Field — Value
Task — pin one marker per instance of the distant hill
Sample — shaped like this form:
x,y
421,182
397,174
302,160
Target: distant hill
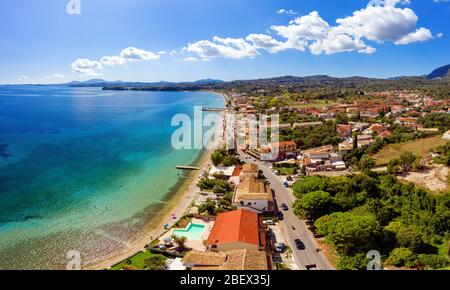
x,y
103,83
441,72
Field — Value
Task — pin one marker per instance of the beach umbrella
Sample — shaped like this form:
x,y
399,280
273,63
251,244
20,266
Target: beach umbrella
x,y
166,226
167,240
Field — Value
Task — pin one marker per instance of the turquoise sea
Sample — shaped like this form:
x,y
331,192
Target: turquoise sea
x,y
84,169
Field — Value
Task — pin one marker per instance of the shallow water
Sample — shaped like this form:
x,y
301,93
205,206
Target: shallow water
x,y
84,169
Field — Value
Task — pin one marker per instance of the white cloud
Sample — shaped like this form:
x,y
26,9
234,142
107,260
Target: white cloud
x,y
263,41
136,54
236,48
191,58
439,35
421,34
55,76
86,67
112,60
380,21
287,12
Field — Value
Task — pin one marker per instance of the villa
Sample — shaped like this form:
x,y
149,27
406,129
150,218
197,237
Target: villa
x,y
253,194
244,259
237,230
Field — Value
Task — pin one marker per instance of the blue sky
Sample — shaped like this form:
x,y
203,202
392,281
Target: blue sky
x,y
185,40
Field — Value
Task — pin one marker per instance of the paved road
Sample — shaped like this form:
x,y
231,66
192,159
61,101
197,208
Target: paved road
x,y
305,257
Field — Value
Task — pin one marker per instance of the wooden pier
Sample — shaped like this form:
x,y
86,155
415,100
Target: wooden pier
x,y
191,168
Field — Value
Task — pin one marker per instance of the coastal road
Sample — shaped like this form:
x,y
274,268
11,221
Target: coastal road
x,y
309,255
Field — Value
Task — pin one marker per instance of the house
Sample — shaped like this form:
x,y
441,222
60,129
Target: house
x,y
376,129
385,134
236,176
249,170
226,171
237,230
243,259
344,131
360,126
253,194
409,122
284,149
323,159
345,147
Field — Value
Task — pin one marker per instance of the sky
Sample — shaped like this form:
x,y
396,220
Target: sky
x,y
55,41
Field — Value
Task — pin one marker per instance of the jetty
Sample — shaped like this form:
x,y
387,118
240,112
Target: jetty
x,y
209,109
191,168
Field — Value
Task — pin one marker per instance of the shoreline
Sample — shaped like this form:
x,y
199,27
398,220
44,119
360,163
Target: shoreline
x,y
179,202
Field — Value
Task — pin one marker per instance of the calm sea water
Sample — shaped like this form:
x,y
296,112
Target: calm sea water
x,y
84,169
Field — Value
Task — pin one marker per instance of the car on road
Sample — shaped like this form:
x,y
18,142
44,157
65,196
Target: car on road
x,y
286,184
311,267
284,207
280,247
299,244
279,216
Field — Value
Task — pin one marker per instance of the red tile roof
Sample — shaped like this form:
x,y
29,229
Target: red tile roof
x,y
236,226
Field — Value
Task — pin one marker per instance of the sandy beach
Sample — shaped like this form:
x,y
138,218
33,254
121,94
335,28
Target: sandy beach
x,y
180,204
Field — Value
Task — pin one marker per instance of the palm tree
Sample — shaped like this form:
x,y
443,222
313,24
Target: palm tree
x,y
181,242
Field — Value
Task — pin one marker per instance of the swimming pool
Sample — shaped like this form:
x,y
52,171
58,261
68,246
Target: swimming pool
x,y
192,232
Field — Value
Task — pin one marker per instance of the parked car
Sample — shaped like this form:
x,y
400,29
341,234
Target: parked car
x,y
279,216
268,222
284,207
311,267
286,184
280,247
299,244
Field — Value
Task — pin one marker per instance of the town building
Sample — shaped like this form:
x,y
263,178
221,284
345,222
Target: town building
x,y
237,230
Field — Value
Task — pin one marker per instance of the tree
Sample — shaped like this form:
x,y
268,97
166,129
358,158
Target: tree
x,y
229,160
355,140
431,261
209,206
155,262
217,158
366,163
355,262
348,231
309,184
341,118
406,161
180,241
313,205
402,257
407,236
393,167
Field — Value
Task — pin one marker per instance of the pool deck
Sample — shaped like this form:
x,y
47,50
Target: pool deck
x,y
196,244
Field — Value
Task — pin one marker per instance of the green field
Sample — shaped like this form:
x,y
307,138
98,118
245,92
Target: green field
x,y
420,147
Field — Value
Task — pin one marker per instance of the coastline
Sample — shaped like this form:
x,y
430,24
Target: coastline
x,y
179,202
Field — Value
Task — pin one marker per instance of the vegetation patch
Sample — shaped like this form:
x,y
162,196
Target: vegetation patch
x,y
419,147
409,226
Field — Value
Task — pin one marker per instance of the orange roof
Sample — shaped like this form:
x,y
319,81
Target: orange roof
x,y
285,144
235,226
237,170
